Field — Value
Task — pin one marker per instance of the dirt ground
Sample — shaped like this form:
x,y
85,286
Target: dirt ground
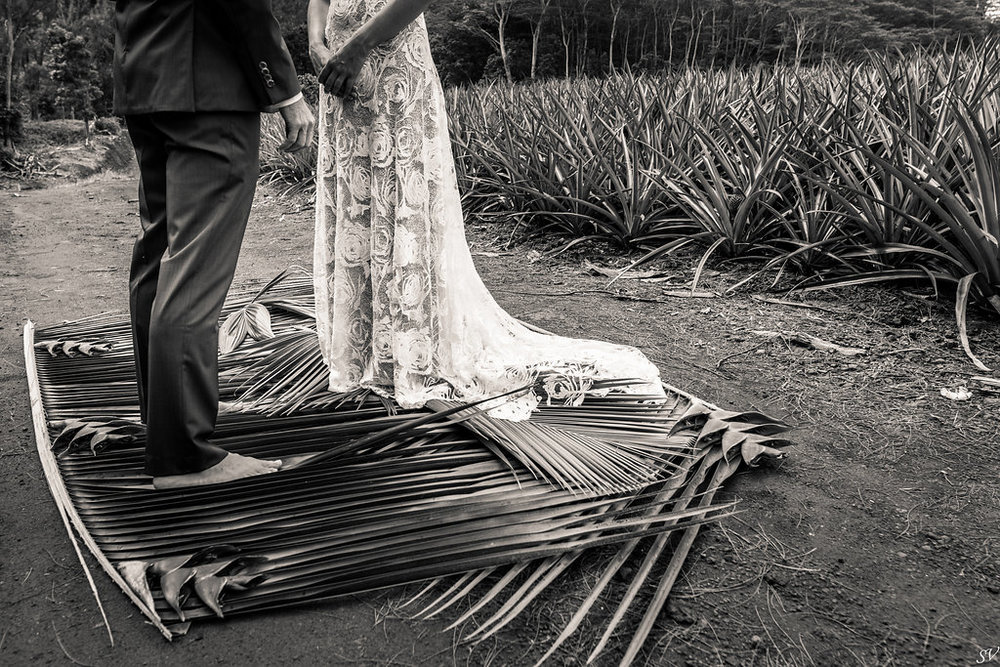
x,y
875,543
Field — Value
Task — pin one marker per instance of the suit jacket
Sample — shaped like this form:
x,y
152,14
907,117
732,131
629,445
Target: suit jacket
x,y
199,55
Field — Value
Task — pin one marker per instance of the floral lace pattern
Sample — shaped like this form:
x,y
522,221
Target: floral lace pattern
x,y
400,307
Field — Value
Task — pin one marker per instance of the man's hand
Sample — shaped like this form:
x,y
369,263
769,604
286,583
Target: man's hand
x,y
300,125
341,70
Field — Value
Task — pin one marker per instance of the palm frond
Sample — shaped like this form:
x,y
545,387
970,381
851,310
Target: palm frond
x,y
495,513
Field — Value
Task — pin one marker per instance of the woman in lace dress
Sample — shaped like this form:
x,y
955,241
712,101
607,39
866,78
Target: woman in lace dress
x,y
400,307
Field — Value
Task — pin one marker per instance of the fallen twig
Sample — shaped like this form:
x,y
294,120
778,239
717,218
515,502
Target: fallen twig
x,y
65,652
726,358
616,273
793,304
57,563
689,294
904,350
613,295
809,340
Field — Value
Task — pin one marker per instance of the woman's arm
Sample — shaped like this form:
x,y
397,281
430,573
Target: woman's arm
x,y
341,70
319,53
389,22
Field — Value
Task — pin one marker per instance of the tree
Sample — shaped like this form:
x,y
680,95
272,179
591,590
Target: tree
x,y
516,39
459,43
926,21
537,16
18,16
990,9
501,10
71,66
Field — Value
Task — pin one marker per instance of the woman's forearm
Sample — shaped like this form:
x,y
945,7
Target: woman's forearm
x,y
317,12
338,72
389,22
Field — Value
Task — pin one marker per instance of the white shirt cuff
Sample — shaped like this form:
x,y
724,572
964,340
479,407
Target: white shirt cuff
x,y
282,104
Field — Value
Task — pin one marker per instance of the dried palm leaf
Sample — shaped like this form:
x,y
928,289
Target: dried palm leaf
x,y
389,496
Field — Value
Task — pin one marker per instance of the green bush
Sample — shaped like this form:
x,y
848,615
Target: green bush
x,y
61,132
119,156
107,125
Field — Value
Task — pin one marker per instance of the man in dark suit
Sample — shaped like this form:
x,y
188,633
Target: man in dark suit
x,y
191,78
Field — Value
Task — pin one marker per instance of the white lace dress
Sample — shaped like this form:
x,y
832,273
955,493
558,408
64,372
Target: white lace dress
x,y
400,307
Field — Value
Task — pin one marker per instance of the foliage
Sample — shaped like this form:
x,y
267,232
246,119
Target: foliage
x,y
53,132
476,39
568,157
297,41
107,125
29,48
541,38
119,155
11,126
459,47
71,67
883,171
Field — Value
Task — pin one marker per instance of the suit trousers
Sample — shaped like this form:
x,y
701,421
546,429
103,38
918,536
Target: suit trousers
x,y
198,173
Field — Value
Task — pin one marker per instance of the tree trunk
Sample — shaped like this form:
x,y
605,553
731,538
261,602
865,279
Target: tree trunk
x,y
503,14
642,41
670,35
536,37
715,37
656,35
582,41
614,32
627,46
696,41
799,40
10,58
565,39
534,52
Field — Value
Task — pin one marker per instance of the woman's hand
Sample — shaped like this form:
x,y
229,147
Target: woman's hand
x,y
341,70
320,55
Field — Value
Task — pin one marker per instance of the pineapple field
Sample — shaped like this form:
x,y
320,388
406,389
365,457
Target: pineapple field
x,y
883,171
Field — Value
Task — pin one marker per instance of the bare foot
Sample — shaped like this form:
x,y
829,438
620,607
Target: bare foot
x,y
292,462
232,467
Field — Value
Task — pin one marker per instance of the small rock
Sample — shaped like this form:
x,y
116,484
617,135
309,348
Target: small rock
x,y
777,578
957,394
680,613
